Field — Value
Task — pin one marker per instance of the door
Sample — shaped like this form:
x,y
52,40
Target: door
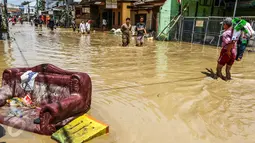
x,y
107,14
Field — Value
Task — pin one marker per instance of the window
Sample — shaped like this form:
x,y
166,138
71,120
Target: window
x,y
113,18
85,10
205,2
219,3
77,12
118,18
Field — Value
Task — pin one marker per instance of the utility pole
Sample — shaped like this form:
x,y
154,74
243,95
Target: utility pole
x,y
6,18
28,12
67,14
37,8
234,15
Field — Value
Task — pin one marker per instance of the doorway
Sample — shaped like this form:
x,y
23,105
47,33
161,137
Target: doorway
x,y
137,18
107,14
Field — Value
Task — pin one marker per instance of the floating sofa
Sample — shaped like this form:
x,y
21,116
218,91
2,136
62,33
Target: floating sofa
x,y
60,96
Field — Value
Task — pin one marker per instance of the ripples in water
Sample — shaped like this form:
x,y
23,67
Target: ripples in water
x,y
154,93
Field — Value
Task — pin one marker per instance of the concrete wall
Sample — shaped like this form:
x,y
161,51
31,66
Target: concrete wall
x,y
116,11
203,10
165,15
125,11
32,10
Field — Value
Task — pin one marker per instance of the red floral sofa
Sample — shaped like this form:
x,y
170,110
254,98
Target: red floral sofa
x,y
60,95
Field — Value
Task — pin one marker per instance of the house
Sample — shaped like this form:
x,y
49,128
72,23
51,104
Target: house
x,y
30,8
150,11
114,11
13,10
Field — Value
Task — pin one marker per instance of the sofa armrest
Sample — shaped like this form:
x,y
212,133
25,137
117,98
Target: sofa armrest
x,y
9,83
64,109
5,93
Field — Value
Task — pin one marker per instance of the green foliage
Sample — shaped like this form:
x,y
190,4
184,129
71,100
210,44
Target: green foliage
x,y
41,5
25,2
4,18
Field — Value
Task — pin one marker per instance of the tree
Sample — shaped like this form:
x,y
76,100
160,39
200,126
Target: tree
x,y
25,2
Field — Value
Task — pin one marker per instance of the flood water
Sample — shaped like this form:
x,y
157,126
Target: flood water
x,y
150,94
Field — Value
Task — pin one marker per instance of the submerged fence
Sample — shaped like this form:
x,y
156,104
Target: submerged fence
x,y
203,30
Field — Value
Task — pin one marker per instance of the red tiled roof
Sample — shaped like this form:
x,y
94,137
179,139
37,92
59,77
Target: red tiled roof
x,y
13,10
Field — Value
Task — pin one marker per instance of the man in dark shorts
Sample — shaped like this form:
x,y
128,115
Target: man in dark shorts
x,y
51,24
125,29
228,52
141,30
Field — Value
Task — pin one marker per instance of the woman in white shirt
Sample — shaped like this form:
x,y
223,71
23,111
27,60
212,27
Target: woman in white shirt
x,y
88,26
82,27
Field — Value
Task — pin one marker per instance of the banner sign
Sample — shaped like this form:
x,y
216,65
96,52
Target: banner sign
x,y
112,4
199,23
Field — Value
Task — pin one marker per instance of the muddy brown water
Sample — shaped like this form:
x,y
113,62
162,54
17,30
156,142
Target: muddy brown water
x,y
150,94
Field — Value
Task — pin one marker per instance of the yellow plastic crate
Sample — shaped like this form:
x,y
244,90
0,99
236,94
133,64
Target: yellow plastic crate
x,y
80,130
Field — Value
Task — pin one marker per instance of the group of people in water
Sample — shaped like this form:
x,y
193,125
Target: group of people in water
x,y
235,38
14,20
141,31
237,33
125,29
84,27
38,22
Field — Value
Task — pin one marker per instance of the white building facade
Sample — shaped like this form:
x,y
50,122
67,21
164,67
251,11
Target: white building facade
x,y
30,8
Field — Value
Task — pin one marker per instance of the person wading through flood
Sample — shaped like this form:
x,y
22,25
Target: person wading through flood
x,y
82,27
104,24
228,52
73,25
125,29
241,46
88,26
141,30
51,24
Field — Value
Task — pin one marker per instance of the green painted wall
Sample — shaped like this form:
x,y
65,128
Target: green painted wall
x,y
203,10
244,12
175,8
164,15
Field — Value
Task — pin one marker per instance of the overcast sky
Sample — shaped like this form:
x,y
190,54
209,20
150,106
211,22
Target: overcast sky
x,y
17,2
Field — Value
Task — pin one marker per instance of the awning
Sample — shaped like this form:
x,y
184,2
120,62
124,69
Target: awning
x,y
149,2
13,10
58,9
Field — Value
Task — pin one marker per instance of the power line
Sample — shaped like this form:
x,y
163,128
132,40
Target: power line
x,y
24,59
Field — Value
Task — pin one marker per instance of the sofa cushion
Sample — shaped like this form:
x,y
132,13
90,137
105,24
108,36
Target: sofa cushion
x,y
44,93
48,88
24,122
